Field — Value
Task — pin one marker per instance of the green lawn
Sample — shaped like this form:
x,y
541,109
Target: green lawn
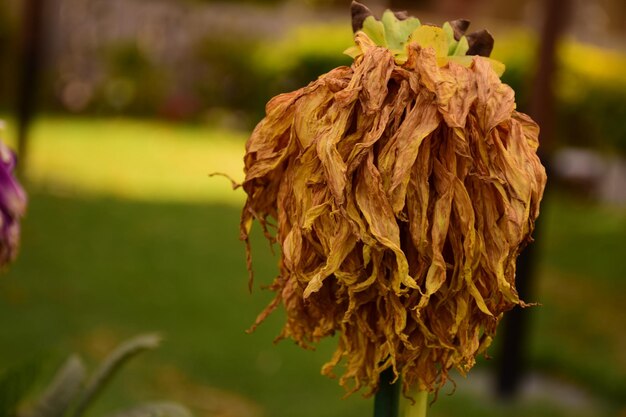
x,y
126,233
132,159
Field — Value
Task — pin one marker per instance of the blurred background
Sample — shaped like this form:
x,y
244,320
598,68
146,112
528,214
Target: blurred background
x,y
121,108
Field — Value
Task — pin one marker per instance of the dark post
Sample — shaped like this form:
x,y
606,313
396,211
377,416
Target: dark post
x,y
514,330
386,402
556,17
512,359
29,65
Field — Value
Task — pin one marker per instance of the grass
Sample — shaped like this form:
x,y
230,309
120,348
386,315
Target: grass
x,y
135,266
581,281
125,234
125,158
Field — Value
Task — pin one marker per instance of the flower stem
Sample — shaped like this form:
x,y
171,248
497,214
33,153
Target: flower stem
x,y
386,402
418,409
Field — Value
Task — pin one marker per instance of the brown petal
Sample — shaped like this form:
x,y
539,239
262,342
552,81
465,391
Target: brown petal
x,y
359,13
480,43
460,27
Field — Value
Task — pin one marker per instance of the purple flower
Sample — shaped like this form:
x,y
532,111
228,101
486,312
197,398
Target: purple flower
x,y
12,206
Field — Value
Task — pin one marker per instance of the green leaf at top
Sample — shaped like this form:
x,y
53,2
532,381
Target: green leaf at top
x,y
375,30
461,48
395,35
431,36
452,43
397,31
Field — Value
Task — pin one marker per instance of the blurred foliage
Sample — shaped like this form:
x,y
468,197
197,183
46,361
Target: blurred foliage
x,y
304,54
228,79
15,382
590,89
133,83
243,74
233,75
71,392
590,85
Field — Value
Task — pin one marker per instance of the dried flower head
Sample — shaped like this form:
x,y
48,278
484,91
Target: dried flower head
x,y
12,206
403,187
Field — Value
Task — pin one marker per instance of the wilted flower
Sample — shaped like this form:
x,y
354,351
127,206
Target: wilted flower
x,y
403,187
12,206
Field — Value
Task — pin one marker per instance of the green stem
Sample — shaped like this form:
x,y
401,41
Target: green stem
x,y
386,402
418,409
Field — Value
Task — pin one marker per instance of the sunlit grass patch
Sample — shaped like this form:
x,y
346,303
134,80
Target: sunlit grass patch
x,y
135,159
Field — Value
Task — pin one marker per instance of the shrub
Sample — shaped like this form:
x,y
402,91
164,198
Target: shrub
x,y
590,89
227,78
590,85
303,55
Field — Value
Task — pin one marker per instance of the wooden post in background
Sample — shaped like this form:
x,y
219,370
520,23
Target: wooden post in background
x,y
514,331
30,57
